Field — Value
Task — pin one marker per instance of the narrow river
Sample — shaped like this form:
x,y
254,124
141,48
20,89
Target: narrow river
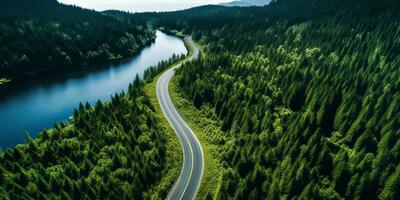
x,y
30,107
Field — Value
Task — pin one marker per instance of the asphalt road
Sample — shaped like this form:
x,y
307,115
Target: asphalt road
x,y
189,180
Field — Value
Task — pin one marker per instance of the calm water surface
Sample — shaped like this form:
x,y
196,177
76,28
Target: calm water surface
x,y
30,107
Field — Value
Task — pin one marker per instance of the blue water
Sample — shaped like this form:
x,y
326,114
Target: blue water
x,y
34,105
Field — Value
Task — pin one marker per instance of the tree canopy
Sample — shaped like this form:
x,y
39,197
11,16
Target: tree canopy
x,y
41,36
307,93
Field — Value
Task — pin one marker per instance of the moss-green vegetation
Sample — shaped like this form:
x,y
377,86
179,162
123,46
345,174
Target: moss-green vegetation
x,y
172,31
173,162
214,142
173,147
4,81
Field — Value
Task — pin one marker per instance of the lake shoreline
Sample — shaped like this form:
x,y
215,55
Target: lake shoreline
x,y
29,76
38,102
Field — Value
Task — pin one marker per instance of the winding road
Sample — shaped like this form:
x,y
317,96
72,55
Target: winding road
x,y
189,179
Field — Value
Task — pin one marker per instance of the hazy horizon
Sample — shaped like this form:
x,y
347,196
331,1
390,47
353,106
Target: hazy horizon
x,y
140,5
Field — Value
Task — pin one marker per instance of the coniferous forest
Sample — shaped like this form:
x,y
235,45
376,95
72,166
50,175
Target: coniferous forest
x,y
48,36
113,150
305,92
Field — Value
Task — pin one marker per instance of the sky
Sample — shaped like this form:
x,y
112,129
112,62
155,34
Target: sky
x,y
140,5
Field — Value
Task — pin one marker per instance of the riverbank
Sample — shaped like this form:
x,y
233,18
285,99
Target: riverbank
x,y
153,143
173,151
172,32
33,105
94,66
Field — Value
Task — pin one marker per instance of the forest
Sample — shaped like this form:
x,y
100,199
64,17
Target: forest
x,y
111,150
42,36
114,149
153,71
308,92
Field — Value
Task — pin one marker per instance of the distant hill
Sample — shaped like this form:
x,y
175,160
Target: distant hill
x,y
236,3
42,36
246,3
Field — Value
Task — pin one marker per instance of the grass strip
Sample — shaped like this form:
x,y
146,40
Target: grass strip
x,y
174,150
206,126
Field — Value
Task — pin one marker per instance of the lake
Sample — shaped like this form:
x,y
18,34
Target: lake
x,y
33,105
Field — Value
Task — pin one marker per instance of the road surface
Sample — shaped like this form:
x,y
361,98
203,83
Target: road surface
x,y
188,182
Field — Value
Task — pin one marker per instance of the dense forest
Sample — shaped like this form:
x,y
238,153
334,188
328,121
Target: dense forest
x,y
153,71
307,91
37,36
113,150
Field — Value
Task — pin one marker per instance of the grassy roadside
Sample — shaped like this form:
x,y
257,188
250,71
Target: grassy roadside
x,y
206,126
174,150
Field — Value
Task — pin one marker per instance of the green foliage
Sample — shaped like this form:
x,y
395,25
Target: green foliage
x,y
111,150
4,81
392,186
37,36
153,71
307,90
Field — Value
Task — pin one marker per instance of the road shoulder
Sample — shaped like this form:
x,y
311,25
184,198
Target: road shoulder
x,y
173,146
212,139
174,154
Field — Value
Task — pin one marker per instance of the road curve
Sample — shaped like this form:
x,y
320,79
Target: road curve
x,y
188,182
